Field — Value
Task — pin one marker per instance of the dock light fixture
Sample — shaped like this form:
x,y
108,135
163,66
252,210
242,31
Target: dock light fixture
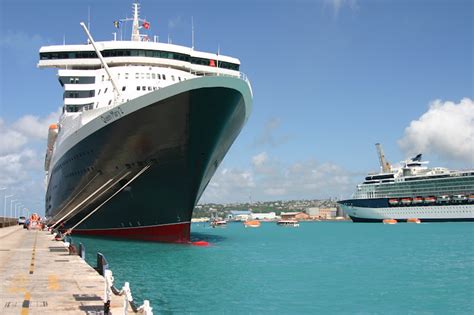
x,y
17,209
13,210
11,206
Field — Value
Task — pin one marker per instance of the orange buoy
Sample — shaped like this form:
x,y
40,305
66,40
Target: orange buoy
x,y
200,243
390,221
413,220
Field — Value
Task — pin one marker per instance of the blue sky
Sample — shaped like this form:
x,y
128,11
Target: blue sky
x,y
330,79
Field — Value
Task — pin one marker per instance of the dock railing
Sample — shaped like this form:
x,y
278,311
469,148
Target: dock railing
x,y
103,269
126,292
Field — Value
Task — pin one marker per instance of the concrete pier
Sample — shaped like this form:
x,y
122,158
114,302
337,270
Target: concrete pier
x,y
38,276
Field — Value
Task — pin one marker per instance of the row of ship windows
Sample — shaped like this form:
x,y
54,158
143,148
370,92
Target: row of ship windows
x,y
148,75
438,184
91,80
79,108
141,53
451,181
424,212
89,106
74,157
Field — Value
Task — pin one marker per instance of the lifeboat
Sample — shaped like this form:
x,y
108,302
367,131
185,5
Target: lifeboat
x,y
459,198
390,221
417,200
405,201
430,199
443,199
471,198
252,223
393,201
414,220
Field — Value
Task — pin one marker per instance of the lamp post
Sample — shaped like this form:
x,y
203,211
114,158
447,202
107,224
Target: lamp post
x,y
11,206
3,188
17,209
5,208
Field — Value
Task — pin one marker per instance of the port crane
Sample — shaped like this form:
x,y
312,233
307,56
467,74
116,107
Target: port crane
x,y
384,164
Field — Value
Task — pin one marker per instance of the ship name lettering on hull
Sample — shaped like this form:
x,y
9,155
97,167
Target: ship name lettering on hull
x,y
112,115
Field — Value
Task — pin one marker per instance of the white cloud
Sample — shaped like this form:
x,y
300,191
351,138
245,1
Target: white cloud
x,y
268,178
269,136
15,167
174,22
34,126
228,182
337,5
22,145
10,140
259,159
446,129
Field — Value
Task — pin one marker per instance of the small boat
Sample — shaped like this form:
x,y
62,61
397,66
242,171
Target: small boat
x,y
406,201
218,223
252,223
417,200
393,201
443,199
430,199
292,223
413,220
390,221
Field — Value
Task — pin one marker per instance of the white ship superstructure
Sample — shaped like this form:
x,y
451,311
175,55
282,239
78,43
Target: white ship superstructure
x,y
413,191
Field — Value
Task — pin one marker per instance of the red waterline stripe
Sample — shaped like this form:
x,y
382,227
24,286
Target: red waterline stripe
x,y
169,233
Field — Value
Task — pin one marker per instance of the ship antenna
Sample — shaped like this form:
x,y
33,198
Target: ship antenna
x,y
89,17
192,33
135,27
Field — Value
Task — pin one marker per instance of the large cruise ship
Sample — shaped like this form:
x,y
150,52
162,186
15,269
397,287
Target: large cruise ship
x,y
145,125
413,191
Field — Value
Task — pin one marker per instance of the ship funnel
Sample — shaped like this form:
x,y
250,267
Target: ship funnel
x,y
417,158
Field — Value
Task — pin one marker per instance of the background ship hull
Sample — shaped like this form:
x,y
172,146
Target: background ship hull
x,y
182,139
376,210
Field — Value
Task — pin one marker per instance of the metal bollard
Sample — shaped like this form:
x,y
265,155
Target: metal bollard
x,y
102,264
82,251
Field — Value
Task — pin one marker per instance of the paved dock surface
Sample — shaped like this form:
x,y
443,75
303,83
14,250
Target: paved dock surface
x,y
38,276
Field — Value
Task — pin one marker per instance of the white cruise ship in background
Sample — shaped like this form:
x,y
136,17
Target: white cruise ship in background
x,y
144,127
413,191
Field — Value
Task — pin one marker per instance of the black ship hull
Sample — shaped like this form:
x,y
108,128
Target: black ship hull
x,y
141,174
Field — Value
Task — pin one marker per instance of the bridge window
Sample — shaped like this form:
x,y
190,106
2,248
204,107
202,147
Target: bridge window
x,y
76,80
138,53
78,94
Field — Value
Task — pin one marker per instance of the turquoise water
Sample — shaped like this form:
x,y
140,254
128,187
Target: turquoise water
x,y
320,267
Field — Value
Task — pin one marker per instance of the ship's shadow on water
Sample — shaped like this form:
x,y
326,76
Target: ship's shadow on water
x,y
194,237
210,238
